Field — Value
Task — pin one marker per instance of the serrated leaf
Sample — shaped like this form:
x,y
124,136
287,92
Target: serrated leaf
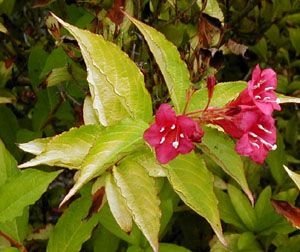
x,y
65,73
224,93
167,57
192,181
71,231
117,204
294,176
141,198
146,158
110,146
116,83
89,114
66,150
36,146
24,189
243,207
6,96
220,148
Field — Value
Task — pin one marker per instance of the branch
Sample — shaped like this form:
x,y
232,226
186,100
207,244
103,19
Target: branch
x,y
15,243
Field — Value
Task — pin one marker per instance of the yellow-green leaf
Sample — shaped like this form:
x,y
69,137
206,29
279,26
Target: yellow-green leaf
x,y
168,59
192,181
116,83
294,176
66,150
223,93
6,96
220,148
117,204
113,143
139,191
89,113
287,99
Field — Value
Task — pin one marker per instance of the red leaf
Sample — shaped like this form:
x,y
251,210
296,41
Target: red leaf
x,y
97,203
115,13
40,3
291,213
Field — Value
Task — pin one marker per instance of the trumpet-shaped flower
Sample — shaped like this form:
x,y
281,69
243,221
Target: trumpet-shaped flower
x,y
171,134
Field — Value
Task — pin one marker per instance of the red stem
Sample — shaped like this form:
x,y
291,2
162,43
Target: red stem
x,y
15,243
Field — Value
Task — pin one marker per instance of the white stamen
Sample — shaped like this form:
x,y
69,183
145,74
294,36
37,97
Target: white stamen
x,y
259,83
273,147
253,134
268,88
278,100
264,129
162,140
181,135
175,144
173,126
255,144
162,129
257,97
267,98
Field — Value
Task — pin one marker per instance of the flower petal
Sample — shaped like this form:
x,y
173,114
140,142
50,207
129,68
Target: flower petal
x,y
165,153
153,135
187,125
185,146
165,115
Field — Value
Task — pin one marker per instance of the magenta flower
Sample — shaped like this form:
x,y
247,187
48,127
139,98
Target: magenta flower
x,y
171,134
259,138
261,90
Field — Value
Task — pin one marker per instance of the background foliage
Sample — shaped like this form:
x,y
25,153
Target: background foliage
x,y
42,90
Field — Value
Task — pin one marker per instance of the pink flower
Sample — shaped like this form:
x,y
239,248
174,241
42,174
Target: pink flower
x,y
259,139
171,134
261,90
256,132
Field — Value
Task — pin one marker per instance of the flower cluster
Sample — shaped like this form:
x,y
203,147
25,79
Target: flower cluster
x,y
248,118
254,125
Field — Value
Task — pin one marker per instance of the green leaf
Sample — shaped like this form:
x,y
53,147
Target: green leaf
x,y
243,207
71,231
6,96
66,150
174,70
247,240
117,204
17,228
111,145
220,148
294,176
168,247
276,159
89,113
224,93
108,221
227,211
8,165
266,215
65,73
193,183
116,83
24,189
105,241
141,198
212,9
295,38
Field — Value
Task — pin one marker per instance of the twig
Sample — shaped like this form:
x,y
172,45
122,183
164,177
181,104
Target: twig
x,y
15,243
180,13
52,113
